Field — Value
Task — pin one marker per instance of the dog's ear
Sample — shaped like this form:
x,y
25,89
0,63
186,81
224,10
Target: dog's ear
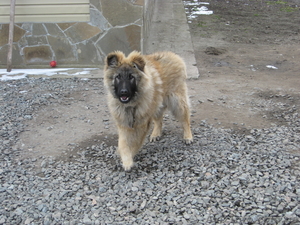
x,y
140,63
138,60
113,59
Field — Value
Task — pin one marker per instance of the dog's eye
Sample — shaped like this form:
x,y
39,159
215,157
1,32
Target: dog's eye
x,y
131,77
135,66
118,76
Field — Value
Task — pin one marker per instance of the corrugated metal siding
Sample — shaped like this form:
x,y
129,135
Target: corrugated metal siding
x,y
43,11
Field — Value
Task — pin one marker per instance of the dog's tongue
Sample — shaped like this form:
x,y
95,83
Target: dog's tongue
x,y
124,98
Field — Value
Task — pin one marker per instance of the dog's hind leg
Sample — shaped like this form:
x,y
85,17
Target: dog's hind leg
x,y
186,124
157,129
179,106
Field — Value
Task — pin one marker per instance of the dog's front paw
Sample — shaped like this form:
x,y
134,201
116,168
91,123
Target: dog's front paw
x,y
127,164
188,141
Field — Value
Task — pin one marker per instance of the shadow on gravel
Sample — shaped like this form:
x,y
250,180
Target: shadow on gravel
x,y
152,157
90,148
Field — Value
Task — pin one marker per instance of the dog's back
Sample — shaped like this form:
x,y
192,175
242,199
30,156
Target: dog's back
x,y
171,69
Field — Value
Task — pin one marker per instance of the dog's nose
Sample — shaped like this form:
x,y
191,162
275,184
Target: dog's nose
x,y
124,91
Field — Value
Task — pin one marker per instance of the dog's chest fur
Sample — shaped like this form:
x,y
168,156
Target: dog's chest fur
x,y
129,116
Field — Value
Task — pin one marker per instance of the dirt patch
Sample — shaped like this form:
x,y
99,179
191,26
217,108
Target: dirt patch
x,y
244,51
61,127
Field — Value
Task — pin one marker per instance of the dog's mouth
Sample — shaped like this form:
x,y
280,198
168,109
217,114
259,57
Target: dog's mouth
x,y
124,99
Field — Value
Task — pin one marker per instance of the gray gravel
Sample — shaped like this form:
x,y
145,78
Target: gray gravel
x,y
225,177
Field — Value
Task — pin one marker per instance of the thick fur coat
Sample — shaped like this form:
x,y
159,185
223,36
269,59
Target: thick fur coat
x,y
140,88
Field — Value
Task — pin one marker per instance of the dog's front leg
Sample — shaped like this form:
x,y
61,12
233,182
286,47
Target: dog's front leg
x,y
125,151
130,142
128,146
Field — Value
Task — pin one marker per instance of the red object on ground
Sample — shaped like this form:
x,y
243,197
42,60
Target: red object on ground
x,y
53,63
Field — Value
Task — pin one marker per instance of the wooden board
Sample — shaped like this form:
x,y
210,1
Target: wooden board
x,y
46,11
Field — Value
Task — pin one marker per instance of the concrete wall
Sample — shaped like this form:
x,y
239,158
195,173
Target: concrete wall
x,y
147,20
114,25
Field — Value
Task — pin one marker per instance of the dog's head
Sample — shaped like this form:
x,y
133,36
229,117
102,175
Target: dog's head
x,y
123,74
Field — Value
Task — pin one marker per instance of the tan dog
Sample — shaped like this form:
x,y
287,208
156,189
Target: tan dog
x,y
140,88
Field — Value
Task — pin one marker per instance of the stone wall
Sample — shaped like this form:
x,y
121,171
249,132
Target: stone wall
x,y
114,25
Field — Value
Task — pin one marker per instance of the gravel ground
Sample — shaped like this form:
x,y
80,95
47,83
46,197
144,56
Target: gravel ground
x,y
225,177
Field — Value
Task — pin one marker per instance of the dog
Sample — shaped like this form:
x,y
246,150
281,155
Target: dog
x,y
140,88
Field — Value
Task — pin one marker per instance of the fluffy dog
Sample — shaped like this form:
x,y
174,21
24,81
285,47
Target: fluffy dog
x,y
140,88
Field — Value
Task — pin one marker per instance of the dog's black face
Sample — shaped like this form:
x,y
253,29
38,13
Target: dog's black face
x,y
125,84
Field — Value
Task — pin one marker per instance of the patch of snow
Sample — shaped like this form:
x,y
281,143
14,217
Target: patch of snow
x,y
272,67
199,8
195,3
203,10
16,74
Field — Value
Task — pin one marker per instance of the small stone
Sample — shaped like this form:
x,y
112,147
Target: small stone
x,y
281,207
143,204
297,212
86,219
254,218
48,219
56,215
238,203
2,220
44,163
186,216
250,138
285,141
243,177
258,173
134,189
19,211
27,221
235,183
102,189
50,128
204,184
28,117
289,215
